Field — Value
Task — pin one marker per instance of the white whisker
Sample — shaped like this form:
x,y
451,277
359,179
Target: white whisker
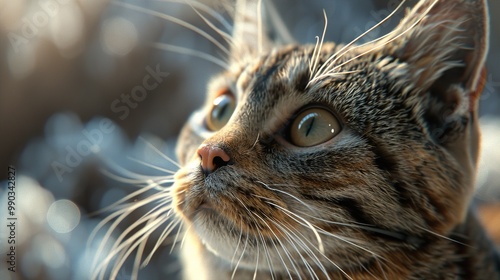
x,y
225,35
285,250
119,248
141,236
137,259
151,165
239,242
159,152
256,263
191,52
332,59
202,7
268,256
120,215
304,222
185,233
317,50
260,42
332,70
241,257
164,197
256,141
168,229
176,238
176,21
286,193
381,269
277,251
132,178
304,247
442,236
318,238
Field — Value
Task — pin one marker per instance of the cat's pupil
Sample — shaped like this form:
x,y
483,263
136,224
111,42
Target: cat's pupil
x,y
313,126
221,111
309,118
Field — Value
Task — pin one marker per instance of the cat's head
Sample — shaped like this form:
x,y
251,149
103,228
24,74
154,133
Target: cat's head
x,y
336,155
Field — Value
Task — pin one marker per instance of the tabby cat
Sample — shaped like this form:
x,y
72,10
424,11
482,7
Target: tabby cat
x,y
329,161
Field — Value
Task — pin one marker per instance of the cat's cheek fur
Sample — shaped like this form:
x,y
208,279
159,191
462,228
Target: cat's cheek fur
x,y
405,184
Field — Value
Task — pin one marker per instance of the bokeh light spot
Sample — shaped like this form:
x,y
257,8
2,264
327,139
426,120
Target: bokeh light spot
x,y
63,216
119,36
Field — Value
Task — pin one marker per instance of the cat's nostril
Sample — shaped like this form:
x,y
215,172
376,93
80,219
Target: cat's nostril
x,y
218,162
212,157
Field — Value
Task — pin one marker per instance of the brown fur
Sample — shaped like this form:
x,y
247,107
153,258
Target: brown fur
x,y
404,163
386,198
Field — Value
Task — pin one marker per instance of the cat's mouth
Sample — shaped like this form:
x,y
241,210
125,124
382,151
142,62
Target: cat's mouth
x,y
214,226
243,220
192,201
240,206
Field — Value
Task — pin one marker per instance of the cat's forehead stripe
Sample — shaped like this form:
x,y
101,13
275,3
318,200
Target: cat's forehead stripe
x,y
271,90
278,69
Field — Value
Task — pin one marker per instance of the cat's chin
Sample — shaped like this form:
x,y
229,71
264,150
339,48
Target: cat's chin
x,y
215,234
219,236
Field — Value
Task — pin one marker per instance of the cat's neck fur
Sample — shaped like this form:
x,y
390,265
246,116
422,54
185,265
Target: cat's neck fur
x,y
466,253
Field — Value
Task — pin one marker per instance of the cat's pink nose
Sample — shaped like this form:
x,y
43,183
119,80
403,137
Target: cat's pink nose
x,y
212,157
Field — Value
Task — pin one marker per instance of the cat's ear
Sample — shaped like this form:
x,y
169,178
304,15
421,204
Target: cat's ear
x,y
441,46
444,44
257,28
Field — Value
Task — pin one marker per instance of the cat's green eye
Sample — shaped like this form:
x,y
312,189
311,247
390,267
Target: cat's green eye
x,y
313,127
222,109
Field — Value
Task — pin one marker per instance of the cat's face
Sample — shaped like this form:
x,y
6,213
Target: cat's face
x,y
285,168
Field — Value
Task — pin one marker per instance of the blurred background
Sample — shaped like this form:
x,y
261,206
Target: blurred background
x,y
82,89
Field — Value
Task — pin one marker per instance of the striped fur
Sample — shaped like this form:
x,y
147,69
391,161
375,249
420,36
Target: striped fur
x,y
387,198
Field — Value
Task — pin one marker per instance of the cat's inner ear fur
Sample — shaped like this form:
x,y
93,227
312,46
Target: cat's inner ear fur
x,y
442,46
258,27
444,43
